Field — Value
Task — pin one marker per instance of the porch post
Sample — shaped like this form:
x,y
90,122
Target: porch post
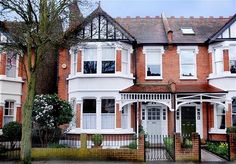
x,y
137,122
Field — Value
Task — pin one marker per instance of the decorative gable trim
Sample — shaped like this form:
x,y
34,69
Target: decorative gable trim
x,y
218,36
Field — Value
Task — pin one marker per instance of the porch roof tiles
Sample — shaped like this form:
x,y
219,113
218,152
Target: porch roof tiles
x,y
165,88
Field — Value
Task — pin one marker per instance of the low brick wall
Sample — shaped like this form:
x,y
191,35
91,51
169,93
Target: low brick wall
x,y
90,154
187,154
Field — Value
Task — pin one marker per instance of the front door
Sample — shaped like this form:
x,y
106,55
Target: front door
x,y
154,120
188,117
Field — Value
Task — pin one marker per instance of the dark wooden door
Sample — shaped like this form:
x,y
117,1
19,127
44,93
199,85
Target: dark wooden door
x,y
188,117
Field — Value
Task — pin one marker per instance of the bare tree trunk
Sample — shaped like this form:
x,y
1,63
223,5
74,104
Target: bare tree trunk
x,y
27,121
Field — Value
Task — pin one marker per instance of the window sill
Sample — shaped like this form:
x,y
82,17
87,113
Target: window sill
x,y
11,79
224,75
188,78
101,131
153,78
217,131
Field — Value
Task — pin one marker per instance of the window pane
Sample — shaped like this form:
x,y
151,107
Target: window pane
x,y
11,65
187,57
90,54
108,54
218,55
125,61
108,66
153,57
153,70
89,106
234,120
90,67
108,114
219,67
221,122
233,66
188,70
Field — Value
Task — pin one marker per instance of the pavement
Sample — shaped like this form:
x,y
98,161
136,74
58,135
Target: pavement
x,y
210,157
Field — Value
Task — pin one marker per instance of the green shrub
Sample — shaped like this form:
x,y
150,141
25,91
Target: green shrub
x,y
219,148
133,145
231,130
97,139
187,143
12,132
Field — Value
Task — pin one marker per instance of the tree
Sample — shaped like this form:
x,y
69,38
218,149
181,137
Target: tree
x,y
38,26
49,112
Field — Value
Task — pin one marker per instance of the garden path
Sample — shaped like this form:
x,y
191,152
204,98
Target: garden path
x,y
210,157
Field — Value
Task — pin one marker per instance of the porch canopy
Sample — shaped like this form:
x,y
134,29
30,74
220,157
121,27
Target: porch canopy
x,y
173,95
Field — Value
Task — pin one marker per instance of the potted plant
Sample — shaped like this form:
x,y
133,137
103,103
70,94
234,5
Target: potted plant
x,y
97,140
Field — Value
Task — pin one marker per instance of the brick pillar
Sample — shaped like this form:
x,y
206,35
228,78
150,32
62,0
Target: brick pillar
x,y
141,148
210,62
63,72
132,63
228,116
3,62
118,60
196,147
232,146
118,116
78,115
226,60
1,117
83,139
170,122
18,114
79,61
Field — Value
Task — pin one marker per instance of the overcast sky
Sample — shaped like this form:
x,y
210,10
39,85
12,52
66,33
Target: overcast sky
x,y
206,8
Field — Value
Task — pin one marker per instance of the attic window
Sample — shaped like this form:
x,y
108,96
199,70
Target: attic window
x,y
187,30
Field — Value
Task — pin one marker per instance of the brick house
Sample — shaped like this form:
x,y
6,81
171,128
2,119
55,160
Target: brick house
x,y
167,74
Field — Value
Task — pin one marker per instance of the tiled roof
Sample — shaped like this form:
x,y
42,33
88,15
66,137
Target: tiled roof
x,y
180,88
151,30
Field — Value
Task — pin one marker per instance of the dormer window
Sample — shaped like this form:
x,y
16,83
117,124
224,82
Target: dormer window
x,y
187,31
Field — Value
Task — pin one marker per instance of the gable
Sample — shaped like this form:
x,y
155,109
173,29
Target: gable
x,y
227,32
100,26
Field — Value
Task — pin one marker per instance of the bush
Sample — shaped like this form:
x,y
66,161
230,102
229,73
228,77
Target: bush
x,y
12,132
97,139
55,145
219,148
231,130
133,145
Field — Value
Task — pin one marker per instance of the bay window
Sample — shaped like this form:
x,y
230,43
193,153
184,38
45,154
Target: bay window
x,y
90,61
89,114
11,65
8,112
187,64
153,64
124,117
108,113
108,60
232,58
218,61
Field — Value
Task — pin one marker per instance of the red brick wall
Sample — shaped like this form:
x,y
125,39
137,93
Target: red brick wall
x,y
118,60
170,122
118,116
1,116
132,63
226,60
78,115
3,61
64,58
217,137
79,61
228,116
18,114
171,66
189,154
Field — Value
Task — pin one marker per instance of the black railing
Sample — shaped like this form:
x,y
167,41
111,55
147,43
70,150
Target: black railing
x,y
9,150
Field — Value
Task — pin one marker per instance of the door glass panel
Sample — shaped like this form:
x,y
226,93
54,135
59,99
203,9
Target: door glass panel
x,y
188,116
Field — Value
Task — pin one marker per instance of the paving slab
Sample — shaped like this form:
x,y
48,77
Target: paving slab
x,y
210,157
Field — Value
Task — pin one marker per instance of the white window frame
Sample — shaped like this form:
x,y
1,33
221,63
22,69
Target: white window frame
x,y
160,51
114,49
215,120
231,57
214,60
127,72
97,59
195,52
14,111
112,98
15,66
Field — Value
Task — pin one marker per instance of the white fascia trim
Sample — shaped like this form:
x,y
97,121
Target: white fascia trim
x,y
93,90
224,45
153,48
224,75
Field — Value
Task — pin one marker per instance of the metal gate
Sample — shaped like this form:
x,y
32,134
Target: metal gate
x,y
159,148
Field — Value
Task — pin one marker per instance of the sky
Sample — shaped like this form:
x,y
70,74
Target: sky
x,y
177,8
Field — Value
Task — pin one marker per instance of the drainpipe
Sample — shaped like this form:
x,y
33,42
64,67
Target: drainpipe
x,y
135,61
